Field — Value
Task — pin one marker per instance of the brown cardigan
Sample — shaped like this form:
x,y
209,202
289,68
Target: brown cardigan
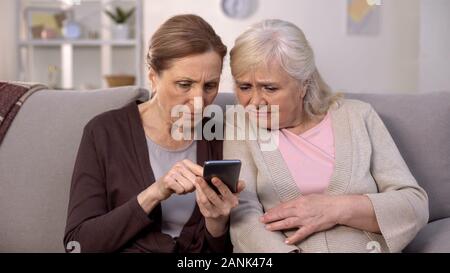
x,y
111,169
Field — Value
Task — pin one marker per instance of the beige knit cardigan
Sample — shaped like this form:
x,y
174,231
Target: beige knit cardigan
x,y
367,161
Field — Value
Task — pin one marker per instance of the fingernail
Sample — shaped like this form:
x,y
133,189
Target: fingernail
x,y
287,241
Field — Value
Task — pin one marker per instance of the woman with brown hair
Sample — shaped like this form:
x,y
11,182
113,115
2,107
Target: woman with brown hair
x,y
135,188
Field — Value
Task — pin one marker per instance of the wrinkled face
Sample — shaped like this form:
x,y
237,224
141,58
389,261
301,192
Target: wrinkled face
x,y
187,78
268,85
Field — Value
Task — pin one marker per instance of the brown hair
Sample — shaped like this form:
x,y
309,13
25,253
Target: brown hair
x,y
182,36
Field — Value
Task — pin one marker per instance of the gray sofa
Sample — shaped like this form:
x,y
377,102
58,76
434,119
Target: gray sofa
x,y
38,154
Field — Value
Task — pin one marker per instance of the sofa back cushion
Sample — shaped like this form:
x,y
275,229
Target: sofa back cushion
x,y
36,163
420,126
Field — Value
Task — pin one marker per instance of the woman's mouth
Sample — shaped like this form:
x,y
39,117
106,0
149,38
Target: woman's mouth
x,y
192,114
258,113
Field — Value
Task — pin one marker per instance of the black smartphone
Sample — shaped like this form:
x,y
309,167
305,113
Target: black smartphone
x,y
226,170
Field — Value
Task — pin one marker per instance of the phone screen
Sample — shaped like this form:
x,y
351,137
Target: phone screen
x,y
226,170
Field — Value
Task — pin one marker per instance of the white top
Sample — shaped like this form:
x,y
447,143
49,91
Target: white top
x,y
177,209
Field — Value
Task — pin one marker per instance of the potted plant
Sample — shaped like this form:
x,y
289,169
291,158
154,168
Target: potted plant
x,y
121,30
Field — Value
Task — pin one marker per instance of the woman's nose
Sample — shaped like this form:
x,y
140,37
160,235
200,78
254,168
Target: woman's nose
x,y
196,92
257,99
197,100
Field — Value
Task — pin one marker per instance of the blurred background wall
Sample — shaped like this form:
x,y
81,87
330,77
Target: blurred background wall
x,y
409,54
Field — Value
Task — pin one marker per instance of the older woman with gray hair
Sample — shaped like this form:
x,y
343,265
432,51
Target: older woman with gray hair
x,y
336,182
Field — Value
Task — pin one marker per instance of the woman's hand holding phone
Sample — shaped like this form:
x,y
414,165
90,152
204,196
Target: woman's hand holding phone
x,y
185,177
216,207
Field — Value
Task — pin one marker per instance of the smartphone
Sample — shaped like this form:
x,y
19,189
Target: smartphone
x,y
226,170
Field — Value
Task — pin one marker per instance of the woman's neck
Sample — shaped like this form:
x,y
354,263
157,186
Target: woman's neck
x,y
305,124
158,126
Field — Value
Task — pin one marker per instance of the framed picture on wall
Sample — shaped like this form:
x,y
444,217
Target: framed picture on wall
x,y
363,17
44,23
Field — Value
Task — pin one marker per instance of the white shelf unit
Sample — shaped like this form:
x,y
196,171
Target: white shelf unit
x,y
66,48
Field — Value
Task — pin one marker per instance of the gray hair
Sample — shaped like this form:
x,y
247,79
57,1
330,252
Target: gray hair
x,y
277,40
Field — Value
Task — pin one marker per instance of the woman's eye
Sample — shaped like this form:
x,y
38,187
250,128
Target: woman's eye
x,y
184,85
244,87
271,88
210,87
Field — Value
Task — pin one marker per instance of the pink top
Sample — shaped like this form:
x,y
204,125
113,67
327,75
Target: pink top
x,y
310,156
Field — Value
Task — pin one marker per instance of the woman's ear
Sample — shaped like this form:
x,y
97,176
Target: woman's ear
x,y
303,92
304,88
153,78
